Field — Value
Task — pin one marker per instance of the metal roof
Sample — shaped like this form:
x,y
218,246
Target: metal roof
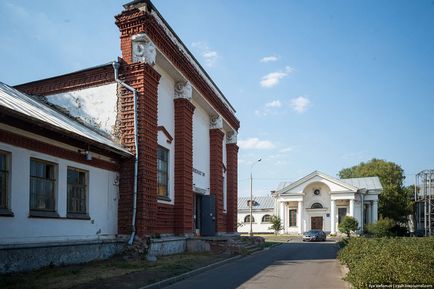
x,y
34,108
260,203
369,183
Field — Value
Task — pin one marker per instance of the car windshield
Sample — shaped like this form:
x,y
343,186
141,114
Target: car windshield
x,y
313,232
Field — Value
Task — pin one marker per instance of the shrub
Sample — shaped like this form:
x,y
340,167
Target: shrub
x,y
388,261
348,225
276,224
383,228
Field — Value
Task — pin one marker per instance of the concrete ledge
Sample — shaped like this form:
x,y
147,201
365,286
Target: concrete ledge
x,y
167,246
26,257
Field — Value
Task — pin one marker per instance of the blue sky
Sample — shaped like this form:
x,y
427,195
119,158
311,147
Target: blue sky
x,y
318,85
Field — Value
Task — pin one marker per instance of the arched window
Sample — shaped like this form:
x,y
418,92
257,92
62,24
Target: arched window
x,y
316,206
266,219
247,219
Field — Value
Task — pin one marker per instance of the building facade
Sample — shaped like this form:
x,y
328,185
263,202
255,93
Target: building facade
x,y
319,201
154,104
262,211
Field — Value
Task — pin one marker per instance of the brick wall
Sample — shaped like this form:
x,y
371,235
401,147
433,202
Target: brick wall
x,y
232,186
184,110
216,175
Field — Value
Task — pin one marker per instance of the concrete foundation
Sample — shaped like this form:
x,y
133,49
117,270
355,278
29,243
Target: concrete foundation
x,y
26,257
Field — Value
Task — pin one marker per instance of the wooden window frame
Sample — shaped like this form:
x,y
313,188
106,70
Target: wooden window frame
x,y
77,214
292,220
5,208
166,172
44,213
263,217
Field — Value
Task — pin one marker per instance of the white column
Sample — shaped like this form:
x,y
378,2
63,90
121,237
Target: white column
x,y
352,207
282,215
300,217
374,211
333,217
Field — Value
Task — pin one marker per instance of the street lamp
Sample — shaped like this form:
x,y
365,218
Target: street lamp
x,y
251,196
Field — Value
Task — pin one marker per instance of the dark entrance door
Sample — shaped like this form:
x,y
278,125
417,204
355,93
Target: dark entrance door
x,y
207,218
197,212
316,223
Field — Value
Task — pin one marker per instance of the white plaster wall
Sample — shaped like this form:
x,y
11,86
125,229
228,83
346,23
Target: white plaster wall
x,y
103,198
201,147
166,118
257,225
97,106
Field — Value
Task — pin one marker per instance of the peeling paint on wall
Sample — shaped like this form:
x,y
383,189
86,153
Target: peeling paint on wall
x,y
96,106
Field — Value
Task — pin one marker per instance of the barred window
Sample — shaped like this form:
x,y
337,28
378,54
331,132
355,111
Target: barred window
x,y
163,172
4,180
42,185
77,182
266,219
292,218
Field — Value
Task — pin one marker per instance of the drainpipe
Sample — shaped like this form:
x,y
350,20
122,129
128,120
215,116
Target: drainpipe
x,y
136,144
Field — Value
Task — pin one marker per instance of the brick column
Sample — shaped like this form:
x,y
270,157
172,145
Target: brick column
x,y
184,110
216,169
232,182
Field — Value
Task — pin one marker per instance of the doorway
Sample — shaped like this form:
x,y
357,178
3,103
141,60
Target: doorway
x,y
316,223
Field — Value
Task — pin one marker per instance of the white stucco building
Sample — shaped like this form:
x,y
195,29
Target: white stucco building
x,y
319,201
262,210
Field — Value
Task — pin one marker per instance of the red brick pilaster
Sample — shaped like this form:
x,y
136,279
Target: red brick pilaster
x,y
232,185
184,110
145,80
216,174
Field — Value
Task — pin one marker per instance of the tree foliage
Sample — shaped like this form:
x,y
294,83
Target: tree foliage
x,y
349,224
276,224
395,201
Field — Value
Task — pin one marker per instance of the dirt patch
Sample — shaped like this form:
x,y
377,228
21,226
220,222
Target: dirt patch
x,y
113,273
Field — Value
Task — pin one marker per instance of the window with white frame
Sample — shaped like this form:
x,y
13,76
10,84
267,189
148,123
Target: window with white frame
x,y
42,185
266,219
163,172
247,219
293,218
77,191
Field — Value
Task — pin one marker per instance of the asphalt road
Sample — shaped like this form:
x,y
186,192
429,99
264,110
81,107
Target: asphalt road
x,y
294,265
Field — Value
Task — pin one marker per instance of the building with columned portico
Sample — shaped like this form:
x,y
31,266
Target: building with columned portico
x,y
319,201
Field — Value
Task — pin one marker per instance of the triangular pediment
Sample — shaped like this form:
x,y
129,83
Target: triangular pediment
x,y
335,184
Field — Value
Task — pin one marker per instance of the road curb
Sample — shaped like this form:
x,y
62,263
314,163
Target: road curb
x,y
174,279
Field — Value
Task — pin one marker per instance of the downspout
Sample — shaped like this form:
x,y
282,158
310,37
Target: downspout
x,y
136,144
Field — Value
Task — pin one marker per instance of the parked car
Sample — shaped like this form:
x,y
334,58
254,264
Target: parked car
x,y
314,235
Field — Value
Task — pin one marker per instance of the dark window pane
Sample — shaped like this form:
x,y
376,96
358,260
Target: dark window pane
x,y
162,173
42,186
77,191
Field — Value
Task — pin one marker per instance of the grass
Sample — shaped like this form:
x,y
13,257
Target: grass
x,y
112,273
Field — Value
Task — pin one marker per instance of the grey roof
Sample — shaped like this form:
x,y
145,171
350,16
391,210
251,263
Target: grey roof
x,y
34,108
260,203
369,183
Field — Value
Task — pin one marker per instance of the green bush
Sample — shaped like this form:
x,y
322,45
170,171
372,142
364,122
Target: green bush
x,y
276,224
383,228
388,261
348,225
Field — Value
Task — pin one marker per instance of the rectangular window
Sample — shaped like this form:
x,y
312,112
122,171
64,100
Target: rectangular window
x,y
4,181
42,185
292,218
77,190
342,212
163,172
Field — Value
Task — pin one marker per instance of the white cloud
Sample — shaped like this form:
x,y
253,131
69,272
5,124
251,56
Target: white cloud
x,y
300,104
273,104
210,56
255,143
287,150
269,108
270,58
273,78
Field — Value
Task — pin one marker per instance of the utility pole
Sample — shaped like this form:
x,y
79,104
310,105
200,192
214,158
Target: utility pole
x,y
251,197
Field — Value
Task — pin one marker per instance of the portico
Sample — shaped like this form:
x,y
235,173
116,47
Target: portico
x,y
319,201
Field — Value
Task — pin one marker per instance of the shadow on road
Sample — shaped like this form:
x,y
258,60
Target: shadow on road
x,y
237,273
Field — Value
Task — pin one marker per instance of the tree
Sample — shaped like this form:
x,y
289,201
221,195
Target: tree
x,y
394,201
383,228
348,225
276,224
